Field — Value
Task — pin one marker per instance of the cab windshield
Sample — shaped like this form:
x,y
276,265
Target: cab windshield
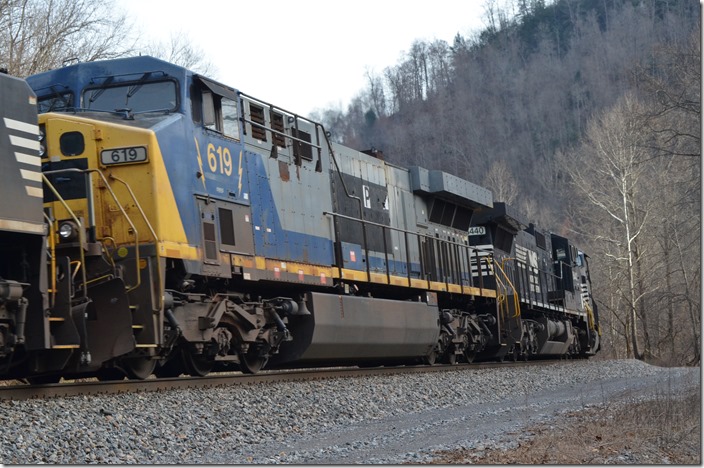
x,y
57,102
134,97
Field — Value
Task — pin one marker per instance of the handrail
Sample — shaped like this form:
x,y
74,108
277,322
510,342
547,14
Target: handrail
x,y
296,118
419,236
591,322
501,298
78,267
52,253
252,98
285,135
109,258
81,231
516,302
556,262
134,228
153,233
500,267
428,236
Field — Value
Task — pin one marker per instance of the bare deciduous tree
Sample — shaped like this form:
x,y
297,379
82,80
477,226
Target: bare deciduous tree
x,y
608,176
180,50
502,183
38,35
376,94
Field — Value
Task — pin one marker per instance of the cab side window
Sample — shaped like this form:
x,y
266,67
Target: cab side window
x,y
215,112
230,123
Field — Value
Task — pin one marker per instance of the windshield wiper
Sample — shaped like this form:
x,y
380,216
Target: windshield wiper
x,y
164,110
56,97
137,86
96,94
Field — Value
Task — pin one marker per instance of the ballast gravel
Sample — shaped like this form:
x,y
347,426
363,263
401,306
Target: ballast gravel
x,y
378,419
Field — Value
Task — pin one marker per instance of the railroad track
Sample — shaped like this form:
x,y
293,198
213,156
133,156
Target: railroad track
x,y
94,387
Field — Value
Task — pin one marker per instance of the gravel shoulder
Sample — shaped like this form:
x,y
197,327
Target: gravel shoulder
x,y
381,419
415,437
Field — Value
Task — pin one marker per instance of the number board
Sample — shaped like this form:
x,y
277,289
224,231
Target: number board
x,y
477,231
133,154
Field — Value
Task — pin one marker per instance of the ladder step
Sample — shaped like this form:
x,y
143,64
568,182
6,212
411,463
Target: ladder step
x,y
57,319
146,345
66,346
137,327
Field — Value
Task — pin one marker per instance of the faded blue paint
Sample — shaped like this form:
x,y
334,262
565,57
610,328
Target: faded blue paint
x,y
270,239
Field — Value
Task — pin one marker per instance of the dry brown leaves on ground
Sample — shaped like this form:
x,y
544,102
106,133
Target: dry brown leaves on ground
x,y
666,430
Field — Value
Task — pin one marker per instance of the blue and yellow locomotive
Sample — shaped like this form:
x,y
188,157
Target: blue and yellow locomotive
x,y
192,227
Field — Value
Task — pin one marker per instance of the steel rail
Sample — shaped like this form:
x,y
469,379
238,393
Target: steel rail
x,y
80,388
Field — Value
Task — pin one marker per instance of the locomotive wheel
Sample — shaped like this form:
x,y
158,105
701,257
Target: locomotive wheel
x,y
43,379
139,368
109,373
369,364
469,356
432,357
171,368
251,363
196,365
516,354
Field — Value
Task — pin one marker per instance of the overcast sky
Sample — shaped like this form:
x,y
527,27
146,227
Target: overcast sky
x,y
303,55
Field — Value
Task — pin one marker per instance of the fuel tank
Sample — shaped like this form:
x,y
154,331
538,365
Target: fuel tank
x,y
355,329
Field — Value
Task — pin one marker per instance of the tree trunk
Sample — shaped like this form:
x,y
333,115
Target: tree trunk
x,y
670,295
641,305
633,298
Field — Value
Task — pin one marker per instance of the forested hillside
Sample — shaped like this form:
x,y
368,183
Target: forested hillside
x,y
585,114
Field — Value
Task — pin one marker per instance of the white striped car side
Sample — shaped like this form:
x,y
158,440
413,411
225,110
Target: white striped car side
x,y
32,174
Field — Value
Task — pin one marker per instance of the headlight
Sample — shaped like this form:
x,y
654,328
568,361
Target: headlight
x,y
42,141
68,230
